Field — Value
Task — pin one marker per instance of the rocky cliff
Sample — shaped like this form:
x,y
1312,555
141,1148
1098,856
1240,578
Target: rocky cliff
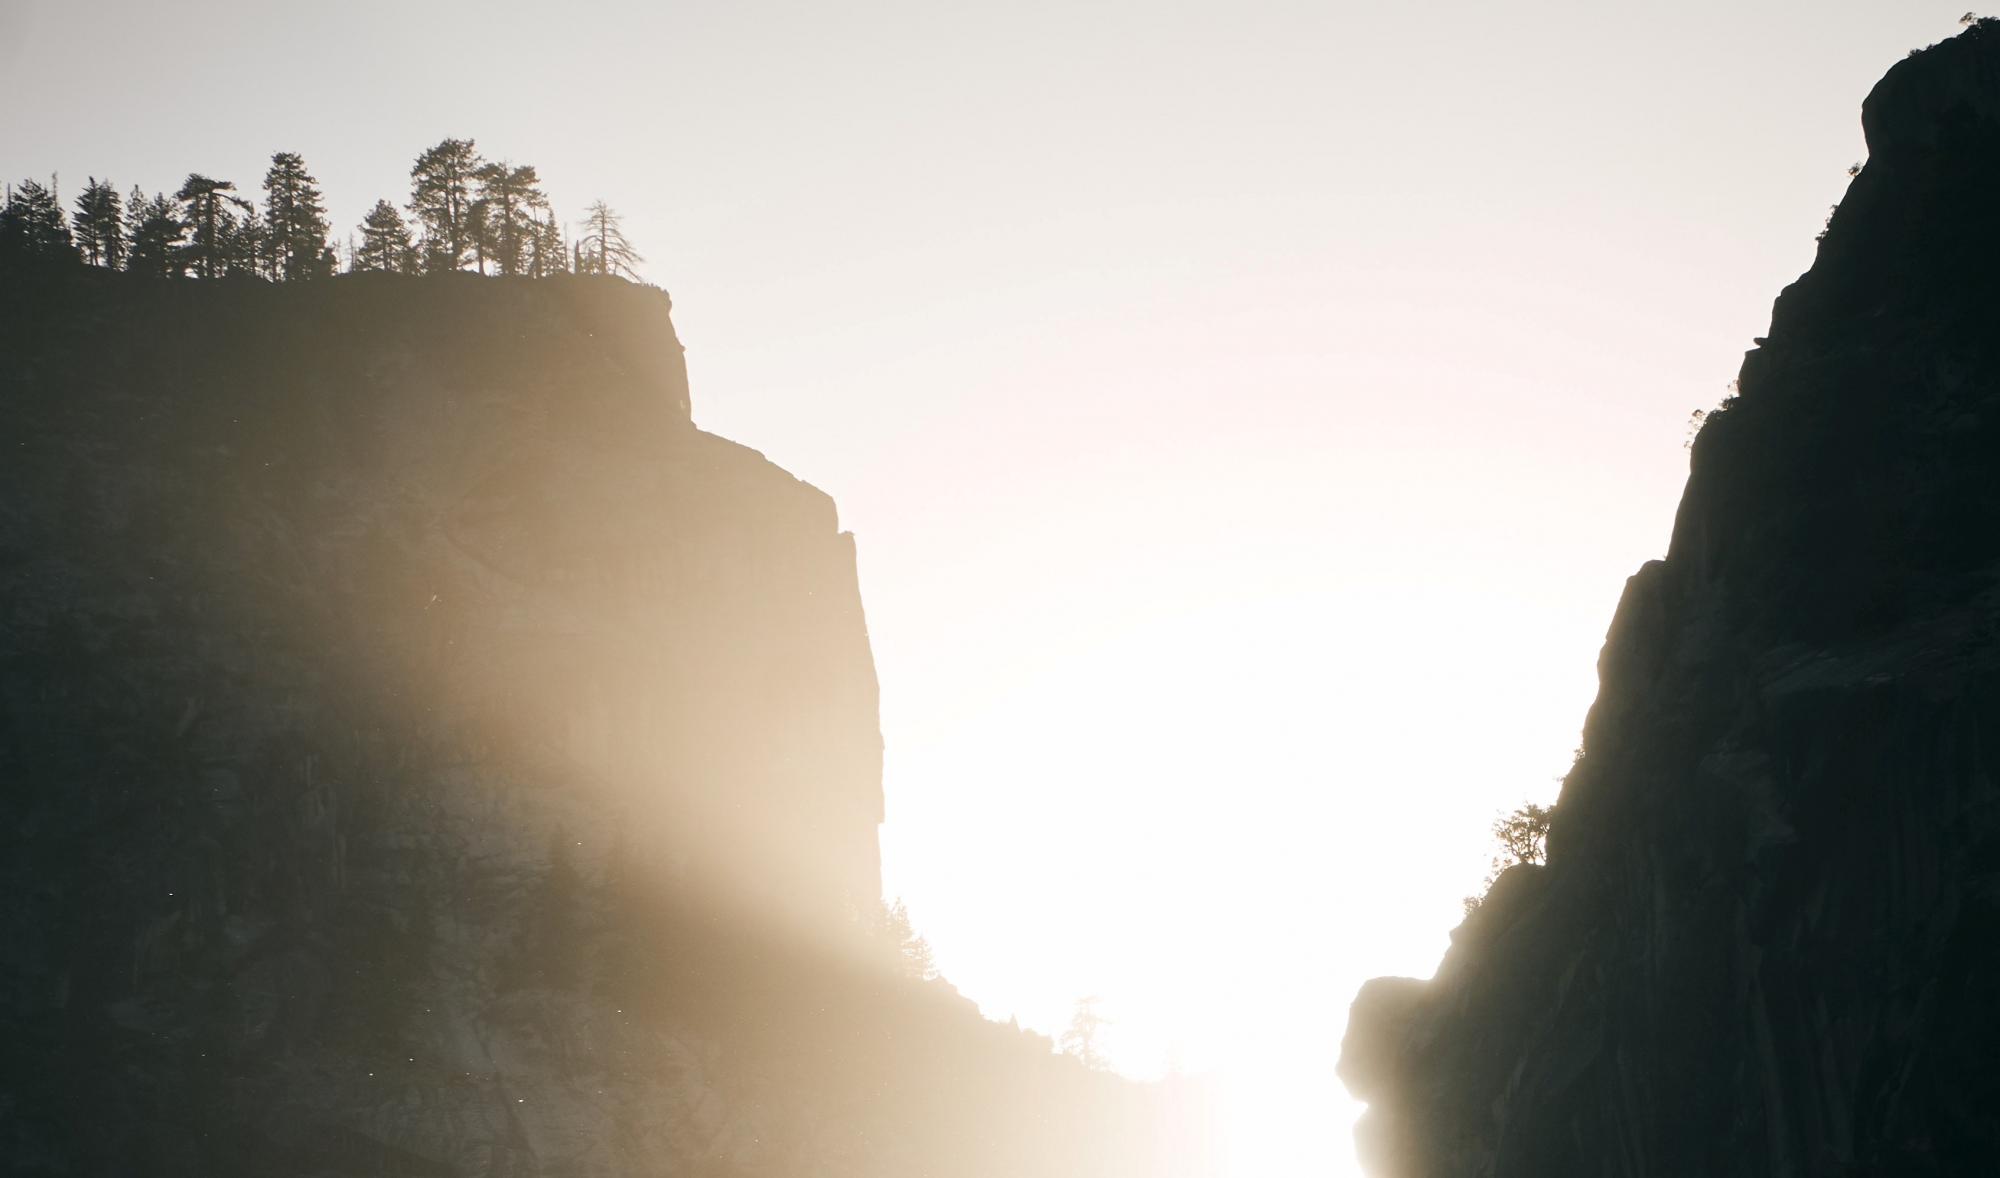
x,y
1767,938
428,753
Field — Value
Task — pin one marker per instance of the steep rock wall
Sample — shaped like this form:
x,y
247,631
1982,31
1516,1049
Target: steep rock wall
x,y
427,753
1765,940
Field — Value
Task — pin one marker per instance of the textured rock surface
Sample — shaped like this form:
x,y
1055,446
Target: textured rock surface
x,y
427,753
1767,941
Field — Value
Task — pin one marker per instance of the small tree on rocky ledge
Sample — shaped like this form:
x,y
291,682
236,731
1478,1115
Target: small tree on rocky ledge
x,y
913,955
1523,835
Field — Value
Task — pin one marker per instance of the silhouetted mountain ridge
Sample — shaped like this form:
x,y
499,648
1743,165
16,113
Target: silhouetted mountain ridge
x,y
428,753
1766,937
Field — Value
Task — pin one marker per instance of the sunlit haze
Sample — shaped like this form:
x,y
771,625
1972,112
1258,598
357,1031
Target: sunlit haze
x,y
1247,413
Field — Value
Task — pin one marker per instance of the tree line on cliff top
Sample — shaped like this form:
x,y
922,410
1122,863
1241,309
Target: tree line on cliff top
x,y
465,212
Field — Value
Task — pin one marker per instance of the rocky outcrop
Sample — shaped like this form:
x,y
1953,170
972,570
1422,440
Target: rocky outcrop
x,y
1768,933
428,753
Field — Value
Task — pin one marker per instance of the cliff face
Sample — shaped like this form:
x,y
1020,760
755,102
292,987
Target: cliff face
x,y
1767,937
427,753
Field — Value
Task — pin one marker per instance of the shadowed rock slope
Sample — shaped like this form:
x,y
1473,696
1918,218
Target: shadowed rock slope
x,y
427,753
1767,941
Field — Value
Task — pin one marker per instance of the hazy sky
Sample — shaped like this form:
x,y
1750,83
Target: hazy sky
x,y
1248,411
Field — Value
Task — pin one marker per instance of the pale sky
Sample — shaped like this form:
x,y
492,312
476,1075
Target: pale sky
x,y
1248,411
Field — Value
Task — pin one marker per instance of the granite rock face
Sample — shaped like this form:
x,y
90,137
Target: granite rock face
x,y
1767,940
426,752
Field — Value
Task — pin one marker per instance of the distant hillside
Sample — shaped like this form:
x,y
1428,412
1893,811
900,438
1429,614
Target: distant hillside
x,y
428,753
1768,933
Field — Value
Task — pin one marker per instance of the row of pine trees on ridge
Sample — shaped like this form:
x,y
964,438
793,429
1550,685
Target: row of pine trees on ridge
x,y
465,212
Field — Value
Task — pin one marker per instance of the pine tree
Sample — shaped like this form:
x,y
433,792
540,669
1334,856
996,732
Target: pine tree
x,y
32,223
441,200
1081,1039
243,244
385,240
295,219
479,230
154,245
603,249
205,201
100,224
548,254
510,196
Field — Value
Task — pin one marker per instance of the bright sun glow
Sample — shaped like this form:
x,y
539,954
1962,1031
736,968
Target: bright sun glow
x,y
1248,414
